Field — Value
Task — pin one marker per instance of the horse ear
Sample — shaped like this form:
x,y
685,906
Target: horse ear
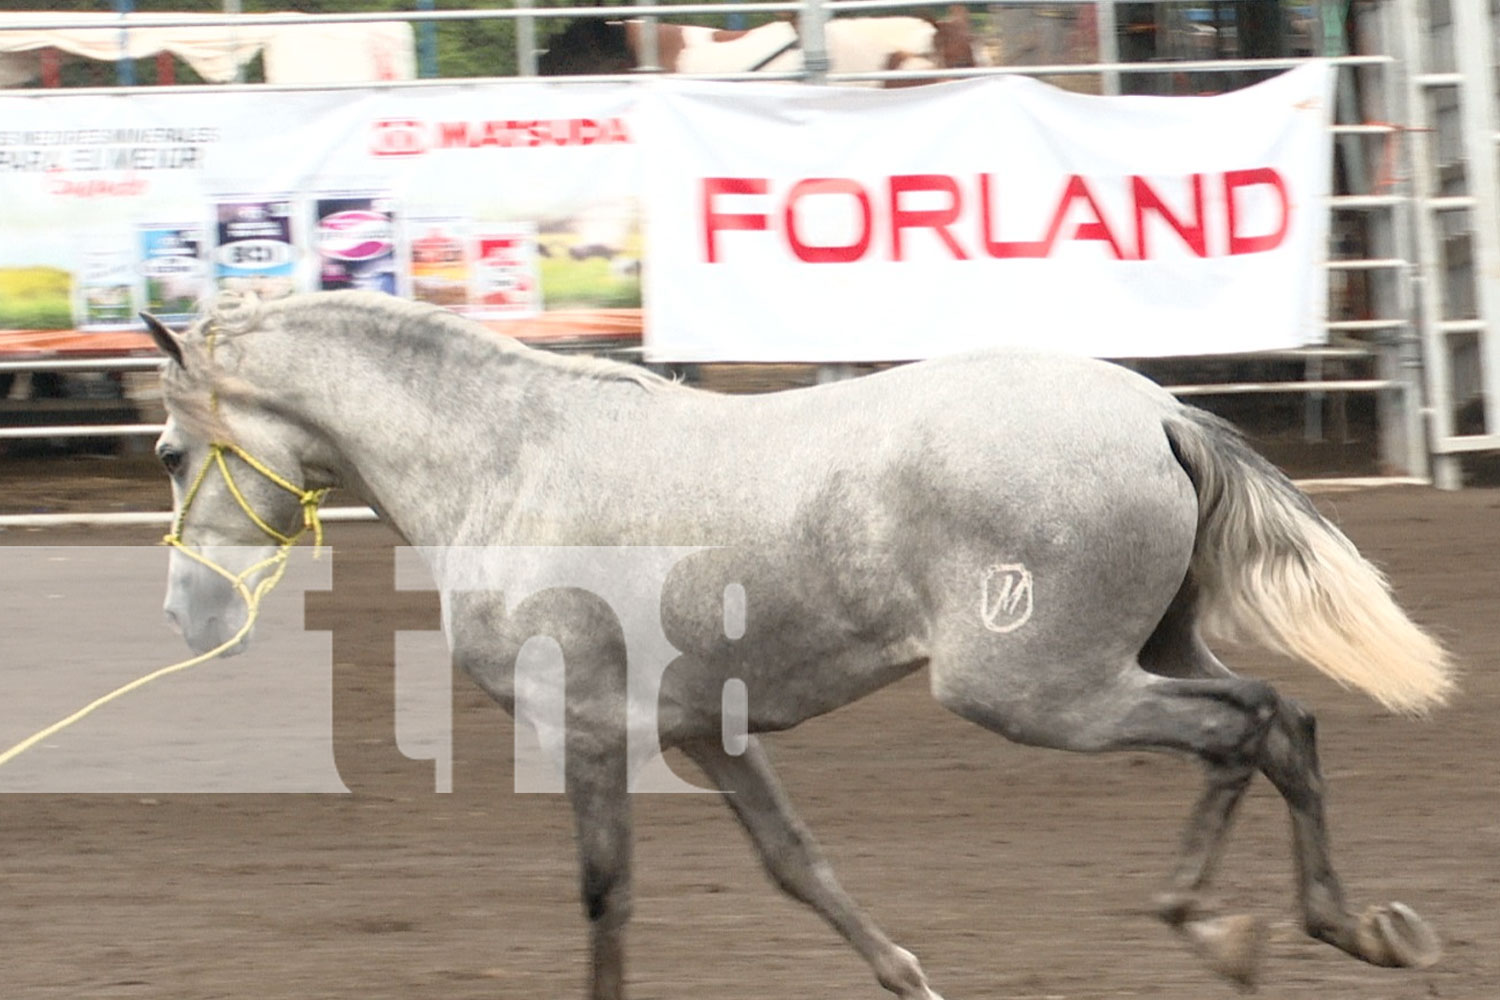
x,y
167,341
959,14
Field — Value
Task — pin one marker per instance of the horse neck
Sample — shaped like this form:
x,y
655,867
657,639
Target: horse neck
x,y
431,432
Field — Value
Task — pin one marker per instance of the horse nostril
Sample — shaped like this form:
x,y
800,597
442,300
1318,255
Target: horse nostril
x,y
173,622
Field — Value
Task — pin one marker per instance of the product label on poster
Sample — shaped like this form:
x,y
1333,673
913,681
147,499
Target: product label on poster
x,y
440,260
256,250
505,280
355,239
106,283
173,270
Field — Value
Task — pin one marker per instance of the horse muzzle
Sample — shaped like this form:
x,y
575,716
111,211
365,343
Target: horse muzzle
x,y
204,606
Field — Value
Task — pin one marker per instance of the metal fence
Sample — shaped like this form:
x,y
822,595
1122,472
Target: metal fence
x,y
1386,301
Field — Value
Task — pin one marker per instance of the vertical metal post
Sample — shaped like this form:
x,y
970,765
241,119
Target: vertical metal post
x,y
814,42
1346,93
1414,34
233,9
427,66
1312,402
648,59
1108,44
525,41
1403,439
124,66
1475,60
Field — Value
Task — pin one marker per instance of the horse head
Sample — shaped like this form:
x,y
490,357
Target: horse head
x,y
238,472
953,42
948,43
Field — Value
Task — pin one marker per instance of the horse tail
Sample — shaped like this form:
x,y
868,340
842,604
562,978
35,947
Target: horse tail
x,y
1269,567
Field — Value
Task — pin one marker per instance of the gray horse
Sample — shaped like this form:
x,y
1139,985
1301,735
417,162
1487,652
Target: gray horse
x,y
1046,535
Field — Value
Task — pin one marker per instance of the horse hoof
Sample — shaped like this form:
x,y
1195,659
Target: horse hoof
x,y
1393,935
1232,946
1178,908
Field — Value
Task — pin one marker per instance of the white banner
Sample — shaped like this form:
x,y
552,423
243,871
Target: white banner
x,y
817,224
500,202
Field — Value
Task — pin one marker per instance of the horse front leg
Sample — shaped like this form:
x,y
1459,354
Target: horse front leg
x,y
596,785
793,860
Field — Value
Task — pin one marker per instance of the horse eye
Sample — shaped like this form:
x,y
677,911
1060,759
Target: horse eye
x,y
171,460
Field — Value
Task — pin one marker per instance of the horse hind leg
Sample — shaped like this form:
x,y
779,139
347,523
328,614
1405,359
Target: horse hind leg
x,y
1389,935
793,860
1234,726
1286,752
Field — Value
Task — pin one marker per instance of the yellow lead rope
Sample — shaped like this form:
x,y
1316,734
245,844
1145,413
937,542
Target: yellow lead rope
x,y
309,499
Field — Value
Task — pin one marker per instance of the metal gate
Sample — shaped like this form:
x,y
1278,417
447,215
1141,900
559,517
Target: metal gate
x,y
1448,53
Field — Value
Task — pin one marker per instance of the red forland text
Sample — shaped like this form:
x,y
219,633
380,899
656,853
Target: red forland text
x,y
966,225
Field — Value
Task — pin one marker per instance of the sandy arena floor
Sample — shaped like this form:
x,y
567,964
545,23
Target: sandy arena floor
x,y
1013,873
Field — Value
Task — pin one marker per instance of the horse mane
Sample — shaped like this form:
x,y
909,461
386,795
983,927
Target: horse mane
x,y
192,388
232,314
191,401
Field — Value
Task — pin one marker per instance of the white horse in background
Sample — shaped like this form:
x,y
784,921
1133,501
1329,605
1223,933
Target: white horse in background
x,y
854,45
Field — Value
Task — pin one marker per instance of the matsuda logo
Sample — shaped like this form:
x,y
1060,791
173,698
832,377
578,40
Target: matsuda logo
x,y
415,136
398,137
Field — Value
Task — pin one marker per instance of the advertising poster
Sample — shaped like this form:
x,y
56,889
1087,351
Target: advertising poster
x,y
505,273
106,283
787,223
174,270
440,260
355,240
255,250
298,191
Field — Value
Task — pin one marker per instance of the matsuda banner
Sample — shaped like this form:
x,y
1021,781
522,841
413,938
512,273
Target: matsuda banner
x,y
498,202
781,223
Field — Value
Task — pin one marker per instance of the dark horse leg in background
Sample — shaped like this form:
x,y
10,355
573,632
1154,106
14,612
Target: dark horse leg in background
x,y
587,46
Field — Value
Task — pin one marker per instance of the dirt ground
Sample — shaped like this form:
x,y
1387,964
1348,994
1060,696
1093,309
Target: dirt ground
x,y
1012,873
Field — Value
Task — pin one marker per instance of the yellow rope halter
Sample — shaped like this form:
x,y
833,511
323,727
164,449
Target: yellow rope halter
x,y
309,499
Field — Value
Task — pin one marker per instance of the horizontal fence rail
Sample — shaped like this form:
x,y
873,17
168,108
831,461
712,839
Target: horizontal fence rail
x,y
1184,391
